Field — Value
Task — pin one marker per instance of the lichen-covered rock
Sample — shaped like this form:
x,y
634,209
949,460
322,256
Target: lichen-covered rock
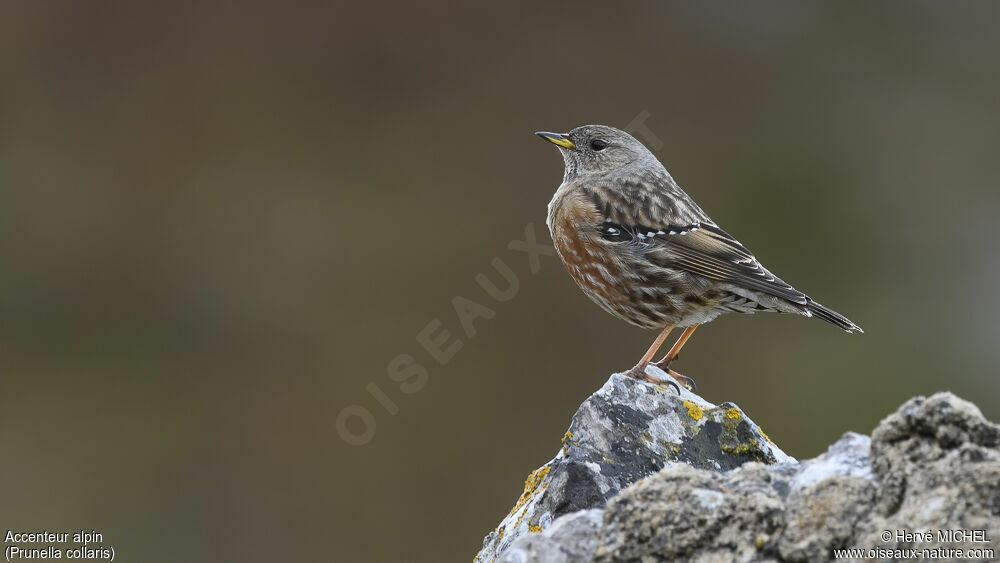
x,y
938,462
683,511
928,479
824,516
569,539
625,431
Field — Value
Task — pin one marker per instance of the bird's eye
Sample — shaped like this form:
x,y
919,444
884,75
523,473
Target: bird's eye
x,y
598,145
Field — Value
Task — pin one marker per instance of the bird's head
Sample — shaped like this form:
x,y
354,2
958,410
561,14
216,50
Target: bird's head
x,y
596,149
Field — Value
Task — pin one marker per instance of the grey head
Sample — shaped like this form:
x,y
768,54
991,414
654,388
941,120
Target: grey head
x,y
600,150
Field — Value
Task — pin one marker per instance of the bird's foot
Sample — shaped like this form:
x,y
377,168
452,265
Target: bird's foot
x,y
639,372
664,362
684,380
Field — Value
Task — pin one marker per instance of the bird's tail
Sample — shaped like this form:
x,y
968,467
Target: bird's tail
x,y
831,316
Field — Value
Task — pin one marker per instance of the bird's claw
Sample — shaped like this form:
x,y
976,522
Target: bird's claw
x,y
639,372
683,379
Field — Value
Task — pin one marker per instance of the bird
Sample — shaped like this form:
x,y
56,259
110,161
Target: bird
x,y
645,252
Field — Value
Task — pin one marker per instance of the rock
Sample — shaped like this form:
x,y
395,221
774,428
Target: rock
x,y
625,431
938,463
568,539
683,510
928,479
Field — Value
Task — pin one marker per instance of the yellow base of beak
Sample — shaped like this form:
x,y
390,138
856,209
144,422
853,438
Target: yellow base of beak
x,y
558,139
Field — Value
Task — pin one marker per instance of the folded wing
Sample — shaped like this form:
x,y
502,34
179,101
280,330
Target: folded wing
x,y
706,250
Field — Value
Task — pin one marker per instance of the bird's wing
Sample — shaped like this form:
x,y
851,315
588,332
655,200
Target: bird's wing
x,y
652,198
704,249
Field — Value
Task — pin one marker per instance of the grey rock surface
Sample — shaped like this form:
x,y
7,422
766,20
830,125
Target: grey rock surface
x,y
625,431
571,538
927,480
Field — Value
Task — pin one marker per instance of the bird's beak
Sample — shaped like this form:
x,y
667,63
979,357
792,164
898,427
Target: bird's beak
x,y
560,139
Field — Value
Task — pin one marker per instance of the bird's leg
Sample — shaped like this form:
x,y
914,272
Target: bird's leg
x,y
639,371
672,355
675,350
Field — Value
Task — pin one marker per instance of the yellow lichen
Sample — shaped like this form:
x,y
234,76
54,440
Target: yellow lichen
x,y
535,529
607,459
672,446
733,413
766,437
645,437
738,449
662,388
567,435
502,530
694,411
530,484
518,523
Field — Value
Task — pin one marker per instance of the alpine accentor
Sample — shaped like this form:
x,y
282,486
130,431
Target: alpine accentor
x,y
644,251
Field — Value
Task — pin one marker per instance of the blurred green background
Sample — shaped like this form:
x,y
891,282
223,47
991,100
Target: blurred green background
x,y
219,224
